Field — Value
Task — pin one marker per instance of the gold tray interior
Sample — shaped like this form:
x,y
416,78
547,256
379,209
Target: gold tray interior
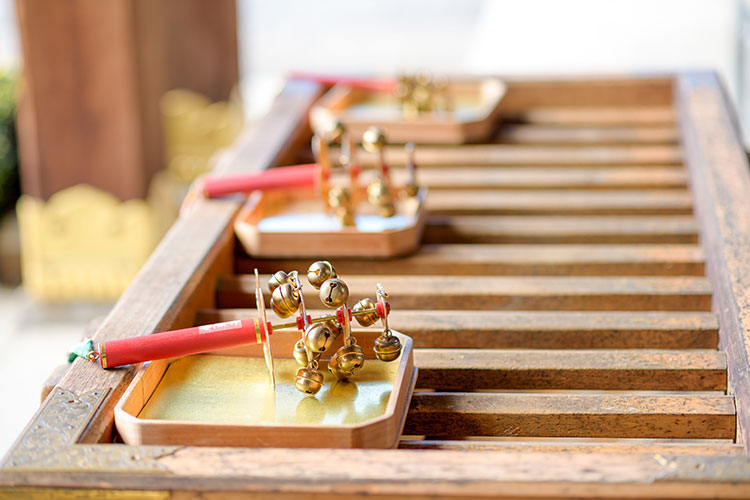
x,y
233,389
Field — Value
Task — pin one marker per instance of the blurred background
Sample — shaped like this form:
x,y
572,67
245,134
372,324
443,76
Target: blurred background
x,y
170,82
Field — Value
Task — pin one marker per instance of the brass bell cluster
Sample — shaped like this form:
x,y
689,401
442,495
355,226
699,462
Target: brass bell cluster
x,y
422,93
319,334
380,192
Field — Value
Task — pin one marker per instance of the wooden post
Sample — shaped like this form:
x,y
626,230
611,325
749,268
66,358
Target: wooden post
x,y
93,76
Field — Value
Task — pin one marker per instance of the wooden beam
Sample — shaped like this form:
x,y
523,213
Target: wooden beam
x,y
528,155
563,415
506,260
518,293
565,445
622,93
721,183
554,229
599,116
563,202
510,178
563,134
477,369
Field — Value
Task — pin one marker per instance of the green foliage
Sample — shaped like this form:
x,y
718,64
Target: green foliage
x,y
9,183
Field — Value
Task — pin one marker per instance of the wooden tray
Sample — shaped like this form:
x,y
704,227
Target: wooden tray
x,y
476,113
291,223
226,399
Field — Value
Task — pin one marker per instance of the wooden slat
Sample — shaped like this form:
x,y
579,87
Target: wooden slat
x,y
560,229
559,135
515,155
564,260
475,369
510,178
568,202
599,116
567,445
520,293
553,415
573,93
537,329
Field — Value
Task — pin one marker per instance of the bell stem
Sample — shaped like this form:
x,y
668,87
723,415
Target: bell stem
x,y
323,319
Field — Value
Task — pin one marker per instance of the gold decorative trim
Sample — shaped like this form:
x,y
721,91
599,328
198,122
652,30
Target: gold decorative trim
x,y
73,494
83,243
60,423
48,443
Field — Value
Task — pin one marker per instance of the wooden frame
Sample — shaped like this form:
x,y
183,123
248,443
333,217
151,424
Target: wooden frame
x,y
63,448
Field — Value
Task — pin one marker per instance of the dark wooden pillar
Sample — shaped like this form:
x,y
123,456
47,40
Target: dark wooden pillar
x,y
94,72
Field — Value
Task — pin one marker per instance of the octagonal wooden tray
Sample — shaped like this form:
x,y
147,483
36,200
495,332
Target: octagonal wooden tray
x,y
474,117
291,223
226,399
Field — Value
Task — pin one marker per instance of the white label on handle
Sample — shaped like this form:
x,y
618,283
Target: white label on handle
x,y
218,327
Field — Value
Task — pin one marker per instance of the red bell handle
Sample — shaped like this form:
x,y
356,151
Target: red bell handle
x,y
374,84
197,339
275,178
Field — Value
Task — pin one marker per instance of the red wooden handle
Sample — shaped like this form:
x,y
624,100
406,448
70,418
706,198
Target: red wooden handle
x,y
374,84
193,340
275,178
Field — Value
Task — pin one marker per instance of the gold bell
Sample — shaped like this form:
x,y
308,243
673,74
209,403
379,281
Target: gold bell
x,y
333,131
340,199
285,300
380,195
309,380
368,318
387,347
335,328
336,371
278,279
339,196
349,358
373,140
334,293
300,353
318,337
319,272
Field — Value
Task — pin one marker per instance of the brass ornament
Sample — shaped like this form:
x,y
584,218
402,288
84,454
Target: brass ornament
x,y
349,358
366,319
373,140
387,347
318,337
334,293
411,188
334,130
300,353
380,195
319,272
309,380
278,279
334,327
339,197
319,334
340,200
285,300
336,371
